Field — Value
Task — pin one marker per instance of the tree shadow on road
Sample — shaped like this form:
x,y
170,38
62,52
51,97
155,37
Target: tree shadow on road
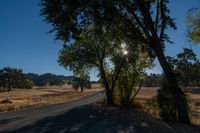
x,y
5,121
88,119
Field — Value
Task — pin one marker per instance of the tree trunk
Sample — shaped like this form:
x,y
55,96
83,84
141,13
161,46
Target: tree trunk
x,y
81,88
178,94
109,96
109,92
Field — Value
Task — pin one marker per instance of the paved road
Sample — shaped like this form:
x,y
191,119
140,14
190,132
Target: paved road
x,y
10,121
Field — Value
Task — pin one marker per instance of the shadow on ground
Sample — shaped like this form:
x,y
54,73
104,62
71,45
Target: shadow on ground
x,y
88,119
5,121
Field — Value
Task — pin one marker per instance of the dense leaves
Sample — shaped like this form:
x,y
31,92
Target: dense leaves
x,y
193,23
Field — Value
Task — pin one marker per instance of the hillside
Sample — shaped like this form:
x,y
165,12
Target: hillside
x,y
49,79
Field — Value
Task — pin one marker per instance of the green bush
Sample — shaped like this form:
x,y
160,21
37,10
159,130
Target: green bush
x,y
166,104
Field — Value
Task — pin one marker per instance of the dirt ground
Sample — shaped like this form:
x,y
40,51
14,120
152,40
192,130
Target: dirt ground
x,y
23,98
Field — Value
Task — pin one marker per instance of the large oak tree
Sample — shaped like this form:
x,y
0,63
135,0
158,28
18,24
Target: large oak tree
x,y
144,20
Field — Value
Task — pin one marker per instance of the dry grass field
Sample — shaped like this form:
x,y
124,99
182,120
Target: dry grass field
x,y
42,96
147,98
39,96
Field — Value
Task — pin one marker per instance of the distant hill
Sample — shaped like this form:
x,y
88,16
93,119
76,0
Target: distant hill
x,y
152,80
49,79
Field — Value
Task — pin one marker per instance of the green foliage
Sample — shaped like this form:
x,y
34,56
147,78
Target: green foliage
x,y
127,88
166,104
132,74
70,18
13,78
193,24
25,83
82,81
186,66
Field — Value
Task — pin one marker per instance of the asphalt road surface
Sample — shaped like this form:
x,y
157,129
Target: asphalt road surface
x,y
13,120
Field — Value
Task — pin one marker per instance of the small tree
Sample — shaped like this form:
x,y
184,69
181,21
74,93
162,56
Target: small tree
x,y
82,81
13,78
127,86
25,83
9,78
132,75
185,61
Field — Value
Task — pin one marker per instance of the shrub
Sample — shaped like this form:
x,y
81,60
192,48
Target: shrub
x,y
166,103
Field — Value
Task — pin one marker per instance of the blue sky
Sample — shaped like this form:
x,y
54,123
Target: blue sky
x,y
25,44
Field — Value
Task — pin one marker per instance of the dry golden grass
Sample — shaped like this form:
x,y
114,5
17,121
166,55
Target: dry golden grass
x,y
53,94
147,93
147,98
42,96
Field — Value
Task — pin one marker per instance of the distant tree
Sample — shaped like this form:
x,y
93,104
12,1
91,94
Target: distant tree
x,y
195,80
25,83
7,80
186,59
82,81
185,66
11,78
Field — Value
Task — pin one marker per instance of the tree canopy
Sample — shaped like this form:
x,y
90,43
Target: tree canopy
x,y
82,81
193,24
13,78
186,66
105,51
143,20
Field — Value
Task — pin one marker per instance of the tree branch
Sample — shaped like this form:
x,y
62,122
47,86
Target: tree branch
x,y
163,23
137,91
157,14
